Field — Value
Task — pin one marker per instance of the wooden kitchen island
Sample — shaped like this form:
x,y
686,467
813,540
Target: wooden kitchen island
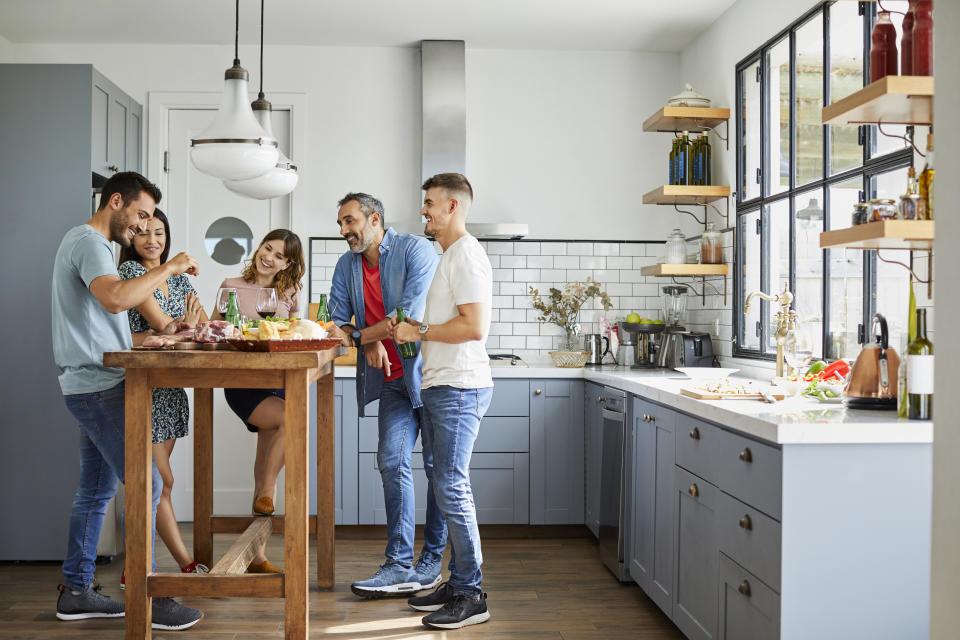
x,y
205,371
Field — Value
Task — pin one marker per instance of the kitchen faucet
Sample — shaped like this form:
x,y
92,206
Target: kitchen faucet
x,y
786,318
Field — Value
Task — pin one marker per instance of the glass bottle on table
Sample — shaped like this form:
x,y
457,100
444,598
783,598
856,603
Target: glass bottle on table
x,y
232,314
323,315
407,349
920,372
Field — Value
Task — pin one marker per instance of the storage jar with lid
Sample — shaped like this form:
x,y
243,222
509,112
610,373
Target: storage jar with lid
x,y
711,246
676,250
882,209
860,215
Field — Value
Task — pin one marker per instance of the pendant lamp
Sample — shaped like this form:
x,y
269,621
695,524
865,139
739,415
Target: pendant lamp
x,y
235,146
283,177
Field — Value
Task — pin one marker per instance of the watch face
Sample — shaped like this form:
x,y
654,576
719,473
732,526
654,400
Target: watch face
x,y
423,328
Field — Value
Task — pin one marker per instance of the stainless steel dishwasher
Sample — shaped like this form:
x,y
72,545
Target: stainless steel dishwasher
x,y
612,482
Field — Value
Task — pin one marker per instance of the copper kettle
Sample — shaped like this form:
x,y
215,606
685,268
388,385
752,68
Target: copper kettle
x,y
873,380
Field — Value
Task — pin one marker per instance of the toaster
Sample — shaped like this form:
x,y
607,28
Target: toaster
x,y
686,349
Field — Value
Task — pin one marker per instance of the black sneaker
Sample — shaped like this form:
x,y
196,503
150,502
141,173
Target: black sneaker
x,y
80,605
433,600
462,611
170,615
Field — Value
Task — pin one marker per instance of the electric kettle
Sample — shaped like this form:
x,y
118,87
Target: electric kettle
x,y
873,379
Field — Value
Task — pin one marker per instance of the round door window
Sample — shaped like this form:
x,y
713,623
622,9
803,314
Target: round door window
x,y
229,240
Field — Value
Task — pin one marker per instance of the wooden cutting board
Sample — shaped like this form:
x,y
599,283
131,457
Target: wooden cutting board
x,y
701,394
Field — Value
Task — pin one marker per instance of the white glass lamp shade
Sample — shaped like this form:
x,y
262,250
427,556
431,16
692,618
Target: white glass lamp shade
x,y
278,181
235,146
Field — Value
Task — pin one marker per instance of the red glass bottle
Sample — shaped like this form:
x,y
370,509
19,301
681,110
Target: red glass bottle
x,y
883,50
923,38
906,41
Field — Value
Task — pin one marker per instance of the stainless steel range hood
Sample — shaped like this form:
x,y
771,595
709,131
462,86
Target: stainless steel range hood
x,y
444,127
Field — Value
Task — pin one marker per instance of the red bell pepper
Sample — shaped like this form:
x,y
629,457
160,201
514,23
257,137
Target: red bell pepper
x,y
835,371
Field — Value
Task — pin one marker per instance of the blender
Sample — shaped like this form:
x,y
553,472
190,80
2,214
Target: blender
x,y
674,306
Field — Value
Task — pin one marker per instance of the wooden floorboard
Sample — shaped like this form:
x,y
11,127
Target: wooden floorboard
x,y
538,589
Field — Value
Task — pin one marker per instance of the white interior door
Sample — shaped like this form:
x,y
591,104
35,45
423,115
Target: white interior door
x,y
193,203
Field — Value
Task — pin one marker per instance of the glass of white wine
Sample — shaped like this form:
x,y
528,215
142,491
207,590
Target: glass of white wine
x,y
798,349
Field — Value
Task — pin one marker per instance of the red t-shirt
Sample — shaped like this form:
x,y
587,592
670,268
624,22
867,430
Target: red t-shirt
x,y
374,313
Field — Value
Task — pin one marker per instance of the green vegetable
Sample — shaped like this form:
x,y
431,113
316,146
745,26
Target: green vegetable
x,y
816,368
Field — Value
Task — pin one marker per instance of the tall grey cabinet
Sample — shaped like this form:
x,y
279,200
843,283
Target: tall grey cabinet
x,y
53,127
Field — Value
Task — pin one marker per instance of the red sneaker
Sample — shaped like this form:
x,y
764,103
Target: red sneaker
x,y
195,567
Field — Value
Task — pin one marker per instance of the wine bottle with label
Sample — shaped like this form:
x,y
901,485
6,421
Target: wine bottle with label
x,y
407,349
920,372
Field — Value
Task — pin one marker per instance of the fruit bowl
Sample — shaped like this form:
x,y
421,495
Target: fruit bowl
x,y
638,327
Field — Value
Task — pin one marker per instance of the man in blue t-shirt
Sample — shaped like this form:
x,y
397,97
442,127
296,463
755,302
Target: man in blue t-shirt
x,y
89,301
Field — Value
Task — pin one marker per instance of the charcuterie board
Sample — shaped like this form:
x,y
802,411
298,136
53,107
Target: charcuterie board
x,y
703,394
285,345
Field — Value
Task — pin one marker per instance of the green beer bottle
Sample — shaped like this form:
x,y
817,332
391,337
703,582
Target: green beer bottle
x,y
323,316
408,349
233,313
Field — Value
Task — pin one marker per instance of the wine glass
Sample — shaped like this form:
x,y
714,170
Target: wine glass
x,y
798,349
223,299
267,302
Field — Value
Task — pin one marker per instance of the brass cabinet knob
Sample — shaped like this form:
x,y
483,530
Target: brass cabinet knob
x,y
746,523
695,434
694,490
114,168
746,455
652,418
538,392
599,398
646,418
744,588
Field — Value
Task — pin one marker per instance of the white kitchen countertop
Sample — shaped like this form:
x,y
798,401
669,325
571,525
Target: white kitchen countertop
x,y
797,420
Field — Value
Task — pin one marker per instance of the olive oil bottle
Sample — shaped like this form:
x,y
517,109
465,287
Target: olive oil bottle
x,y
685,160
673,161
926,179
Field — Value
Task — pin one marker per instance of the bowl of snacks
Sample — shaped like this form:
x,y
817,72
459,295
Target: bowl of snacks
x,y
791,385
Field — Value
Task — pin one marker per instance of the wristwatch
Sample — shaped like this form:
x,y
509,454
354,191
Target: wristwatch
x,y
423,331
355,336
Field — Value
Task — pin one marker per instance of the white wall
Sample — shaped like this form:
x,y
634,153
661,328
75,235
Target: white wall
x,y
554,138
945,589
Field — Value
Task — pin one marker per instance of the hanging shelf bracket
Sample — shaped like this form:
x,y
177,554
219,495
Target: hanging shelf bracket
x,y
703,288
913,274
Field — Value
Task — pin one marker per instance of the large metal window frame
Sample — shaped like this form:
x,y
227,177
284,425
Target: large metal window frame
x,y
870,167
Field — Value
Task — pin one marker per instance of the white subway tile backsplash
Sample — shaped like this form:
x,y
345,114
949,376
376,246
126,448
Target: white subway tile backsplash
x,y
553,248
593,262
513,342
540,262
526,329
501,328
500,248
494,261
513,315
512,288
325,259
540,342
503,275
526,249
578,275
566,262
619,262
513,262
645,261
553,275
603,276
526,275
634,249
338,247
606,249
580,249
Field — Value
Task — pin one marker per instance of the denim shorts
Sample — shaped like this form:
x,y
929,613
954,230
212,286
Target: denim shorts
x,y
243,402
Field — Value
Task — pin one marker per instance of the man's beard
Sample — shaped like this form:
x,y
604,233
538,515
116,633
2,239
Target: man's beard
x,y
362,241
118,230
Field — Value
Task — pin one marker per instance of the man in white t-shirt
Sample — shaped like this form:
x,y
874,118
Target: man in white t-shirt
x,y
456,391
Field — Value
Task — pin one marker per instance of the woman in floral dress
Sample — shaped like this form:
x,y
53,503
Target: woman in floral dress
x,y
174,302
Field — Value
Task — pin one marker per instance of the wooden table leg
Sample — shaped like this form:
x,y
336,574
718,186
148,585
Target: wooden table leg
x,y
203,475
326,490
138,475
296,529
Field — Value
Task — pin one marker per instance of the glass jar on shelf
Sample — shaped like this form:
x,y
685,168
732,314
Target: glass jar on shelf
x,y
711,246
676,248
860,213
882,209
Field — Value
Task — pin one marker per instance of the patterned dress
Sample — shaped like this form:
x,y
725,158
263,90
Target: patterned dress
x,y
171,413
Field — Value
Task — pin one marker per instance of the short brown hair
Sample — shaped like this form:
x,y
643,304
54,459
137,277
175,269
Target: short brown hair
x,y
129,184
453,183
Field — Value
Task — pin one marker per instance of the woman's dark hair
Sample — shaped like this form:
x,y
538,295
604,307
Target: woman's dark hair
x,y
288,278
130,253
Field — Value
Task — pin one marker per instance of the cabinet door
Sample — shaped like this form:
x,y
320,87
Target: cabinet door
x,y
695,590
749,609
100,125
345,456
556,452
117,134
642,492
661,584
593,395
134,131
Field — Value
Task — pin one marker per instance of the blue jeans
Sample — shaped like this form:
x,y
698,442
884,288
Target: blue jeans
x,y
451,421
101,418
399,424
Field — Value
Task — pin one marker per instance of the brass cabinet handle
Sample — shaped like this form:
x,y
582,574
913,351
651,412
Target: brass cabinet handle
x,y
538,392
646,418
695,434
694,490
652,418
744,588
599,398
746,523
746,455
114,168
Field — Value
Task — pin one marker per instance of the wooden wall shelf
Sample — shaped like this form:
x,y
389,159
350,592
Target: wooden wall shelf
x,y
686,119
667,270
686,194
890,100
888,234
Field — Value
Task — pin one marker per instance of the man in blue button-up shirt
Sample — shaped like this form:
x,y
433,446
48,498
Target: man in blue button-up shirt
x,y
382,271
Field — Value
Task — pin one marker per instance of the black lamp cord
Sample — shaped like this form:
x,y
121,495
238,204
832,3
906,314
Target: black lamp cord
x,y
236,38
261,50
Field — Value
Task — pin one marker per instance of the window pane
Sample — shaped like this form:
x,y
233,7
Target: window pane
x,y
892,287
846,77
846,276
777,65
750,261
808,293
750,143
809,101
883,144
778,231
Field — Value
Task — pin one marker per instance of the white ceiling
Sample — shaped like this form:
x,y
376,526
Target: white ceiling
x,y
634,25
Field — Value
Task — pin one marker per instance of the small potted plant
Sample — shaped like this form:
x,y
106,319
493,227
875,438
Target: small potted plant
x,y
562,308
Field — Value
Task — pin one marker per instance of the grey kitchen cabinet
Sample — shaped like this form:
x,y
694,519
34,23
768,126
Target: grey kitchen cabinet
x,y
652,507
749,609
556,452
695,591
593,450
345,457
116,132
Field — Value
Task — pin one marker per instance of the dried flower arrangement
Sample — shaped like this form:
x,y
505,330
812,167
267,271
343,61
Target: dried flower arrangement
x,y
562,307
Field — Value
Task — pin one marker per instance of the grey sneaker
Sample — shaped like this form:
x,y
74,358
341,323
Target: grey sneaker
x,y
79,605
170,615
391,579
428,571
